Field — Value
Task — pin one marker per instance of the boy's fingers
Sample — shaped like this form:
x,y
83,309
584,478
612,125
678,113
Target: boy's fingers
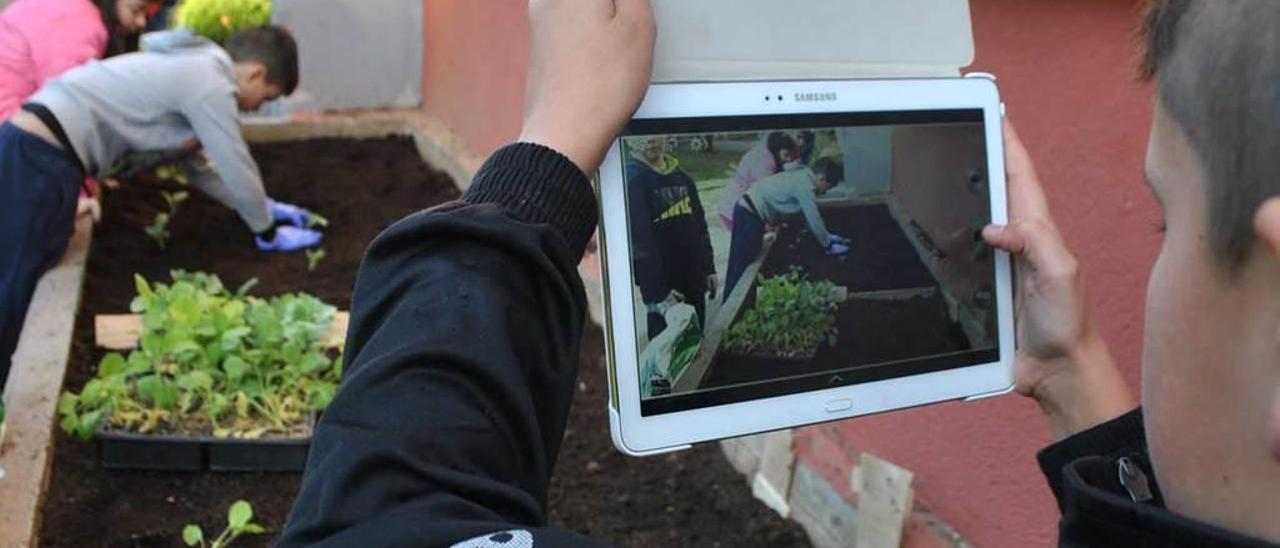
x,y
1026,196
638,10
1035,242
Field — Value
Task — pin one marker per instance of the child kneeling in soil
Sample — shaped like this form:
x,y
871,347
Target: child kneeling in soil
x,y
791,192
181,87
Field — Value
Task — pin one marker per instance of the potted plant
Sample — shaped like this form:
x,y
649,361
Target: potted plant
x,y
791,318
220,379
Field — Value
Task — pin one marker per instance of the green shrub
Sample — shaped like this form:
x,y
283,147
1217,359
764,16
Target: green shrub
x,y
217,20
791,318
212,362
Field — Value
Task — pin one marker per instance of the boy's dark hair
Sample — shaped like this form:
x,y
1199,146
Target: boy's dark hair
x,y
1217,68
830,169
778,141
272,46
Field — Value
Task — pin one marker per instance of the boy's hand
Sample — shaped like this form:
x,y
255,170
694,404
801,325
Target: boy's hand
x,y
289,214
1062,361
589,67
290,238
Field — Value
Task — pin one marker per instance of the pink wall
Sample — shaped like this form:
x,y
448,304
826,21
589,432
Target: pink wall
x,y
474,62
1066,72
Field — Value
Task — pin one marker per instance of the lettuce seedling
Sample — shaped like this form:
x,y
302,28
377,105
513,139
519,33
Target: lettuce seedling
x,y
792,317
238,524
212,362
314,256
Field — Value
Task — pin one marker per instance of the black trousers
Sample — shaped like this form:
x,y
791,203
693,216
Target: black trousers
x,y
39,184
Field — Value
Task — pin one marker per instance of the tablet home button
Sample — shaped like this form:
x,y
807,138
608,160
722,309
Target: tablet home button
x,y
835,406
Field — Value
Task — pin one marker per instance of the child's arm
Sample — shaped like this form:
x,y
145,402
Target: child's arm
x,y
804,195
216,122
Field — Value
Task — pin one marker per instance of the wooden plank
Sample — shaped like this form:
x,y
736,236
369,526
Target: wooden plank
x,y
121,331
719,323
884,502
895,294
39,365
772,483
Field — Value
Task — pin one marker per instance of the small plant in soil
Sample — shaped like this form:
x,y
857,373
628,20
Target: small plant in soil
x,y
792,317
238,524
314,256
212,362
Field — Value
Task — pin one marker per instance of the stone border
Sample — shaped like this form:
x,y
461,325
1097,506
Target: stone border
x,y
41,360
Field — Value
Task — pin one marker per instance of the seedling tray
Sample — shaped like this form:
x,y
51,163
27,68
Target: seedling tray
x,y
130,451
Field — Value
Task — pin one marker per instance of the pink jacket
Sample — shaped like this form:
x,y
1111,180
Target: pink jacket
x,y
756,164
41,39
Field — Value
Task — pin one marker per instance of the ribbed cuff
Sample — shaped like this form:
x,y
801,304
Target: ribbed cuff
x,y
536,184
1116,438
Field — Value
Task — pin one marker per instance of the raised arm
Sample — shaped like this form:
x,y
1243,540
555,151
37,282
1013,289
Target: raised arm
x,y
463,348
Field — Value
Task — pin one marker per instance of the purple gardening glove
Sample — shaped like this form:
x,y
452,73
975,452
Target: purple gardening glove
x,y
837,248
290,238
289,214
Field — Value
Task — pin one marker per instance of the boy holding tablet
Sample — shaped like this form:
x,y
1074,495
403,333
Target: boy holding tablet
x,y
440,435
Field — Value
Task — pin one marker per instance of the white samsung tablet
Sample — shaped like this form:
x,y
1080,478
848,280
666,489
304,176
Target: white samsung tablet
x,y
782,254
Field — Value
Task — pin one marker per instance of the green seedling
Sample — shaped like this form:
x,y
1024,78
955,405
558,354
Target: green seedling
x,y
316,220
175,199
159,229
792,317
239,523
172,173
212,362
314,256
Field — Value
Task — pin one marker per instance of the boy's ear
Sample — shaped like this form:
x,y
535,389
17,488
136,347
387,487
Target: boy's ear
x,y
1266,225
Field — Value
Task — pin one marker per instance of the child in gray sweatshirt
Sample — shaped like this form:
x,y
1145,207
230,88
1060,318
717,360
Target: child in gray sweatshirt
x,y
179,88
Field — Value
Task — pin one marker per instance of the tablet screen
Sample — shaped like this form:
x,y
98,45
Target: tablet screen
x,y
779,254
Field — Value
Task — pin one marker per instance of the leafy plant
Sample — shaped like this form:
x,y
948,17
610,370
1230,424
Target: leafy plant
x,y
159,229
316,220
211,361
238,524
792,317
217,20
314,256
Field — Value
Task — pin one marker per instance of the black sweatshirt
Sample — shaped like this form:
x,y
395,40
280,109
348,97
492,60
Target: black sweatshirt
x,y
461,360
670,244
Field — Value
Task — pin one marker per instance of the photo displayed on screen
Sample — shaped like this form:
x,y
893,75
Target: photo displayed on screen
x,y
806,254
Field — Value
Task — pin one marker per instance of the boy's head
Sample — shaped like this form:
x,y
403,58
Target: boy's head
x,y
266,61
828,172
1211,363
650,148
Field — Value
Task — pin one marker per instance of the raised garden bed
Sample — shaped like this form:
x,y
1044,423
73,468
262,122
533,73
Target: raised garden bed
x,y
870,330
688,499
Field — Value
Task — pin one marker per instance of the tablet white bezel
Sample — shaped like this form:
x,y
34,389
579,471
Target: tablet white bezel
x,y
639,435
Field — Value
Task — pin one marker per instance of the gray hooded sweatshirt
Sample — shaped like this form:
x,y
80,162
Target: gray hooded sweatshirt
x,y
181,86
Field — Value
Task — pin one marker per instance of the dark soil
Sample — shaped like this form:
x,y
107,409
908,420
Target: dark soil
x,y
688,499
870,331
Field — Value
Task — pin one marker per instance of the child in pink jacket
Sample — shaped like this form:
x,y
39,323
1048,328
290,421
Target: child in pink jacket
x,y
41,39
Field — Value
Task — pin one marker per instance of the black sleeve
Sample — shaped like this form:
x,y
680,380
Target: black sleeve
x,y
461,359
1119,437
646,256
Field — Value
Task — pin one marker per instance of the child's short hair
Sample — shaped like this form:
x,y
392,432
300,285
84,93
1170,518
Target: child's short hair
x,y
272,46
830,169
1217,68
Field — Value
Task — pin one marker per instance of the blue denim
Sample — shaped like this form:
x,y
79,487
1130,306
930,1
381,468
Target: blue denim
x,y
744,244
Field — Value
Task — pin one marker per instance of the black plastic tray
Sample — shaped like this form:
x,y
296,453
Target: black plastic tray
x,y
129,451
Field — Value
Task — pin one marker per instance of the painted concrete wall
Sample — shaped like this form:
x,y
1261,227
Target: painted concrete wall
x,y
475,55
868,159
1066,72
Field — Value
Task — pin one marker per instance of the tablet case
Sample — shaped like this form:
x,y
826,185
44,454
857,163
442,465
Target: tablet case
x,y
736,40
